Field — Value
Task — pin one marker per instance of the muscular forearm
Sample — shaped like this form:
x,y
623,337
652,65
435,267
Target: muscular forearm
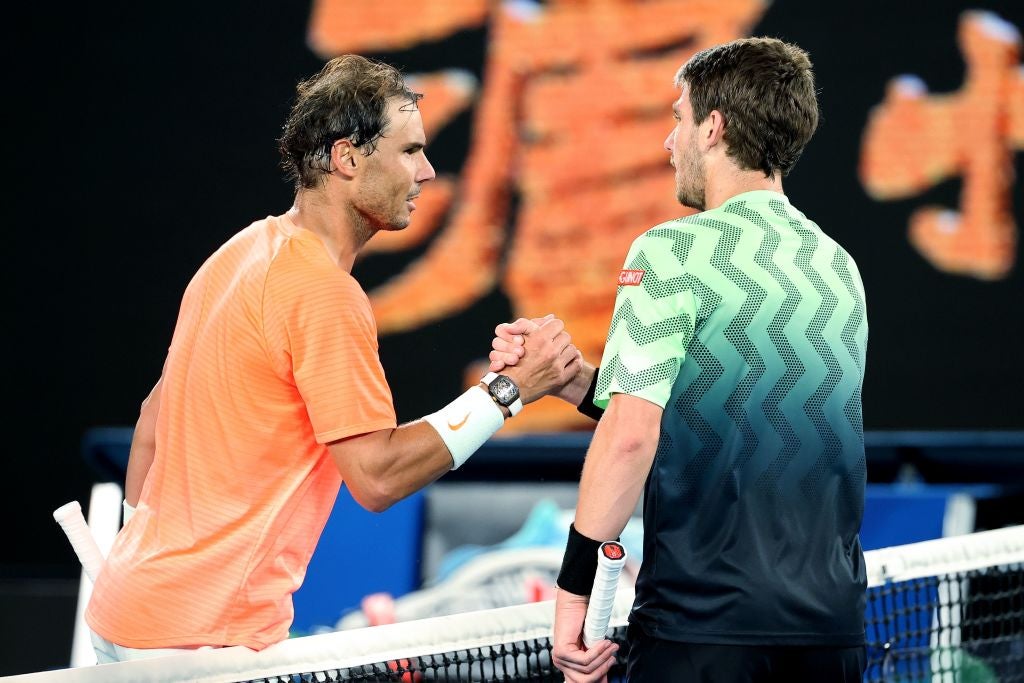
x,y
383,467
397,463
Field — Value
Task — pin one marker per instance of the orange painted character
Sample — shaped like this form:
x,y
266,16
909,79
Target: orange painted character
x,y
914,141
568,127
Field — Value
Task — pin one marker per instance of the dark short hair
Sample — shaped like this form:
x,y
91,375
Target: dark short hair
x,y
765,90
347,99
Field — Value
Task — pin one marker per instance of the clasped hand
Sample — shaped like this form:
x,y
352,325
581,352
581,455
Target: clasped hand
x,y
537,354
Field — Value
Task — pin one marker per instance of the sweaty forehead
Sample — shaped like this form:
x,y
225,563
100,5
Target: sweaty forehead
x,y
404,120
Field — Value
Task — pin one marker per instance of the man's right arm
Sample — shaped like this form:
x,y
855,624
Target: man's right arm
x,y
382,467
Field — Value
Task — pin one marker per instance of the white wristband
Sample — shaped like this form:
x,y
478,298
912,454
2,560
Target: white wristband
x,y
127,512
466,423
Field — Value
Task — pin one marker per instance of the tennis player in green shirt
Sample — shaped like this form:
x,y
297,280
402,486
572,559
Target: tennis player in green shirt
x,y
730,389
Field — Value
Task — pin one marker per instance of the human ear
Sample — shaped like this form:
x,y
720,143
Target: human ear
x,y
715,123
343,157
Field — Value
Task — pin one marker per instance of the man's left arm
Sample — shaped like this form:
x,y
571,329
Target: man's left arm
x,y
143,449
647,343
616,467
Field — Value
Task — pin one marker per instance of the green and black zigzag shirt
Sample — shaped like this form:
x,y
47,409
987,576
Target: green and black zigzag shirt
x,y
747,324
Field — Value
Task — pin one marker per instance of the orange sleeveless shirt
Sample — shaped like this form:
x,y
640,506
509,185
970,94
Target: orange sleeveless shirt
x,y
273,356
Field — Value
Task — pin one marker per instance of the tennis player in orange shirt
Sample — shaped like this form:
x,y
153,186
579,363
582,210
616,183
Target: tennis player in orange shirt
x,y
272,392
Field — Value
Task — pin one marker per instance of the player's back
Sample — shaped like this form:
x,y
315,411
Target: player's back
x,y
754,502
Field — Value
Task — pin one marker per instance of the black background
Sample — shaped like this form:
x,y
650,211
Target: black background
x,y
141,137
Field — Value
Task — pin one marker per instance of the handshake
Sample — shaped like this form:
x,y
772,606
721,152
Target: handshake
x,y
539,356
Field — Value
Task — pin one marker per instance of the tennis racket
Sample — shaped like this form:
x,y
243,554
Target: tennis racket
x,y
70,518
611,558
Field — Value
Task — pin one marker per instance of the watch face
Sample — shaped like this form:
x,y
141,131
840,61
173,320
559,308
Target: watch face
x,y
505,390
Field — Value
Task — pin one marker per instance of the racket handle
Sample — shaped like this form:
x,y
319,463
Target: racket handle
x,y
70,518
611,557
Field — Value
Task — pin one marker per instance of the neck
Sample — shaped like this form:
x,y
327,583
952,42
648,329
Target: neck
x,y
731,181
342,229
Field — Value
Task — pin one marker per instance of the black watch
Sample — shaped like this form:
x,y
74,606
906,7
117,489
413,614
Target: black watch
x,y
504,391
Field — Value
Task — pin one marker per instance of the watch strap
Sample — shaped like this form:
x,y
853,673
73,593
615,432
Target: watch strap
x,y
516,405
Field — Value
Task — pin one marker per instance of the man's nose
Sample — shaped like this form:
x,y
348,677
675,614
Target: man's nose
x,y
426,171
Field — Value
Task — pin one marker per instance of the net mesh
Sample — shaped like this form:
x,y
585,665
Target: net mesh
x,y
963,626
941,611
525,660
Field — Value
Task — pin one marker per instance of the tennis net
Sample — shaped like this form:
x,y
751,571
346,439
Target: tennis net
x,y
939,611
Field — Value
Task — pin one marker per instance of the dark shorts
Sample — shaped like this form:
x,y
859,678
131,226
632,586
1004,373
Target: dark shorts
x,y
653,659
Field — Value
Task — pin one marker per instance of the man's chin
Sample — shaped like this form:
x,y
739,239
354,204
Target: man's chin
x,y
695,203
397,225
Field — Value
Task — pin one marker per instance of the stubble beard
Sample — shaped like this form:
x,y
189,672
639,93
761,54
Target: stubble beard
x,y
378,212
376,205
395,222
690,188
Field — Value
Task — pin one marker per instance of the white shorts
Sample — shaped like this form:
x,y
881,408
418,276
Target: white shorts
x,y
108,652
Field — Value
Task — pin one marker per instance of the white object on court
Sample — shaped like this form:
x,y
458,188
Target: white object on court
x,y
104,522
466,423
70,518
611,558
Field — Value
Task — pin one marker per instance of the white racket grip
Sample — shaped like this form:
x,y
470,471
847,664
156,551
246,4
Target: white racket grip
x,y
70,518
611,557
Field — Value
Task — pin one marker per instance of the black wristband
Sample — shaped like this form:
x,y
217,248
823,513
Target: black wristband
x,y
579,564
586,406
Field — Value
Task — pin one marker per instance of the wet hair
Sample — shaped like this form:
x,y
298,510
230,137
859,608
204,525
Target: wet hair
x,y
348,99
765,89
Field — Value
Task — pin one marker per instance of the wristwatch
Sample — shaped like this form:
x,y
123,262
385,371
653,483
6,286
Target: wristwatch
x,y
504,391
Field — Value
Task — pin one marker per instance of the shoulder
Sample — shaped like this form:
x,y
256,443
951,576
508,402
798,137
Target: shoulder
x,y
676,242
685,230
301,270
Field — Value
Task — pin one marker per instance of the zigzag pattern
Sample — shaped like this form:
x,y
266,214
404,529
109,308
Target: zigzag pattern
x,y
725,270
814,406
736,332
643,334
656,287
794,367
709,372
851,331
630,382
688,483
756,445
849,335
852,409
682,241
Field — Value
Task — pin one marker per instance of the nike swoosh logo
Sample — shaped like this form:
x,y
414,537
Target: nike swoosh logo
x,y
458,425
